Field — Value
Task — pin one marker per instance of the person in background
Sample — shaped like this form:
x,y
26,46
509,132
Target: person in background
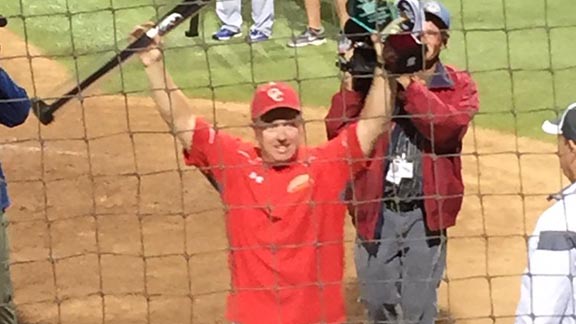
x,y
547,291
413,189
314,32
14,110
230,14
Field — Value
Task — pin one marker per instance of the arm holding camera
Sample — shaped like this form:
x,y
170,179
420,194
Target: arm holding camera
x,y
373,120
442,120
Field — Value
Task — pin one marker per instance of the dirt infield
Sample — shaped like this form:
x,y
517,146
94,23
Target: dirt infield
x,y
112,157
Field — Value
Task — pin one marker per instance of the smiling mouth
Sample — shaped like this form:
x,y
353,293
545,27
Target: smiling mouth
x,y
282,149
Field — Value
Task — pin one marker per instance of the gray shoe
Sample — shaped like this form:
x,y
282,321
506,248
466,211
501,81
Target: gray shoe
x,y
308,37
344,44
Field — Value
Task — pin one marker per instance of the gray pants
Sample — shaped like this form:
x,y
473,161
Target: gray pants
x,y
399,283
7,313
230,13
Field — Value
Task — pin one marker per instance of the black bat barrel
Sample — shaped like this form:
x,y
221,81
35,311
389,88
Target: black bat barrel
x,y
184,10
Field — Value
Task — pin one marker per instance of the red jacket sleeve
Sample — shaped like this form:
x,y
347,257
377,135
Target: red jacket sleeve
x,y
443,119
345,108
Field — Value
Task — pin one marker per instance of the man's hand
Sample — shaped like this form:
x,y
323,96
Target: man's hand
x,y
152,53
406,79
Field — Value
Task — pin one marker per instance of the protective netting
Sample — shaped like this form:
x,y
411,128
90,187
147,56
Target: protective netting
x,y
108,226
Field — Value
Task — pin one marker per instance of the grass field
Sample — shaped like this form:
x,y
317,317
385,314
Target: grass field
x,y
520,52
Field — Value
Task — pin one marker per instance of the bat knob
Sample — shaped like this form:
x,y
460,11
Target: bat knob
x,y
42,112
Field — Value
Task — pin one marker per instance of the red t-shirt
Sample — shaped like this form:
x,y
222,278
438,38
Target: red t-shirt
x,y
285,226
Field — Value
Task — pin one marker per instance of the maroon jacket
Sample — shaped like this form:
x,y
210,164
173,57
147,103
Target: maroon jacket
x,y
441,112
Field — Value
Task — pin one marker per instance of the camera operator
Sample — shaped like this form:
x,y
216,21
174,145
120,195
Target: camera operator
x,y
413,191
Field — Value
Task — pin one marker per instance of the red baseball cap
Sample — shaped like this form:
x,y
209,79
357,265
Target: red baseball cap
x,y
274,95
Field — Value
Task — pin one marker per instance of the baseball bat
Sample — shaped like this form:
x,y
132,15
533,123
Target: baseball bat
x,y
45,112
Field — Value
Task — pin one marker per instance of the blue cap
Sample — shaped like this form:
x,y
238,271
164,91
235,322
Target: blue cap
x,y
437,9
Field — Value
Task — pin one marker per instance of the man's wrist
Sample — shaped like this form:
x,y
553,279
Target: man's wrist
x,y
404,81
379,70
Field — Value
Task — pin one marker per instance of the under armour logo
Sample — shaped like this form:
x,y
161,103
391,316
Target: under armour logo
x,y
275,94
411,61
254,176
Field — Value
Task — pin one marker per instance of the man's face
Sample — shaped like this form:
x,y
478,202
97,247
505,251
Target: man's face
x,y
567,156
279,135
433,39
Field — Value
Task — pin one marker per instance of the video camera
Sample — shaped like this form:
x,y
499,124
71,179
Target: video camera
x,y
371,16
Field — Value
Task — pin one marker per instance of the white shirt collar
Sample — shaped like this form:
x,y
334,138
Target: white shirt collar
x,y
569,190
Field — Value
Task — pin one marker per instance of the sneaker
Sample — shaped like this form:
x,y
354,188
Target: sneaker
x,y
310,36
344,44
256,36
225,34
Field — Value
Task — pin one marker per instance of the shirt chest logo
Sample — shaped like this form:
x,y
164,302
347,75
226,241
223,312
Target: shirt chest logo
x,y
299,182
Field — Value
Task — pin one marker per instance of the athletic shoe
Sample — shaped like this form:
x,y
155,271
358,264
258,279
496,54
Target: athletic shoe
x,y
256,36
225,34
344,43
310,36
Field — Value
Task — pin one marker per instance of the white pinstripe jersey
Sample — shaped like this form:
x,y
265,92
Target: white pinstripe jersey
x,y
548,291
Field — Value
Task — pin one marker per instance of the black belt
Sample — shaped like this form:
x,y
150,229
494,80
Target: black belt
x,y
397,205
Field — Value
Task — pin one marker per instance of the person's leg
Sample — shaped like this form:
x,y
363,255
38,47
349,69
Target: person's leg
x,y
7,312
341,12
423,265
263,17
379,275
313,14
230,14
314,32
344,44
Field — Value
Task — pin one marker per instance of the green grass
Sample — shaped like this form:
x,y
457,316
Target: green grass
x,y
202,66
520,53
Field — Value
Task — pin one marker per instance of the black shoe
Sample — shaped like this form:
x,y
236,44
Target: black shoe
x,y
191,33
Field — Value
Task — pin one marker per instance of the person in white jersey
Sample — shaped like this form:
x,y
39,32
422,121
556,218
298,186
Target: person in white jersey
x,y
547,292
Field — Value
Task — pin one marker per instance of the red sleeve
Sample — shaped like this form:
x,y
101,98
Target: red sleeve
x,y
346,106
210,147
343,153
443,122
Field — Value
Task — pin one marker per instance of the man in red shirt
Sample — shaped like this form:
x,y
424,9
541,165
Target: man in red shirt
x,y
285,217
412,191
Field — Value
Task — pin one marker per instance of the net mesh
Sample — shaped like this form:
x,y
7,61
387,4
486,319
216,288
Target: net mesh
x,y
108,226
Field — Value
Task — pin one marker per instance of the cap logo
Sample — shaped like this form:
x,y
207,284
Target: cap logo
x,y
275,94
432,7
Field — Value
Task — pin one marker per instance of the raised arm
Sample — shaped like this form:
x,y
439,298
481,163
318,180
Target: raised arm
x,y
376,115
171,103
